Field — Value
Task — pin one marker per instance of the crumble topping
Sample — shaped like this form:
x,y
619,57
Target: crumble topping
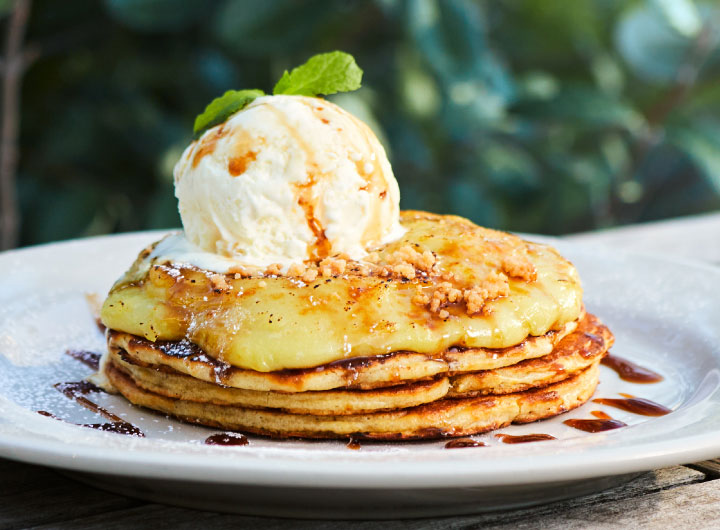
x,y
407,255
332,267
469,269
518,266
219,283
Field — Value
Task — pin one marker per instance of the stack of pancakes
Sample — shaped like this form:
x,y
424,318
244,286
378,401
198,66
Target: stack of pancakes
x,y
428,371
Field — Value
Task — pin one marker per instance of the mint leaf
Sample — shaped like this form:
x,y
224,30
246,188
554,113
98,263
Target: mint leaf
x,y
326,73
220,109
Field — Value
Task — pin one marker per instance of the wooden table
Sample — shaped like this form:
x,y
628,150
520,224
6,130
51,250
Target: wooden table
x,y
678,497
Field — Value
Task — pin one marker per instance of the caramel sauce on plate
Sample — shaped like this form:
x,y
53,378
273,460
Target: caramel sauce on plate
x,y
629,371
522,439
595,425
88,358
118,427
464,442
77,390
641,406
227,438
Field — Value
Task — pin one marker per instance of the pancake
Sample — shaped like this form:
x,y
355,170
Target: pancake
x,y
452,330
362,373
573,354
444,417
166,382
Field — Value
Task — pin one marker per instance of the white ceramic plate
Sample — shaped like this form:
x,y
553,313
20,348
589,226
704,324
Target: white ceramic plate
x,y
664,314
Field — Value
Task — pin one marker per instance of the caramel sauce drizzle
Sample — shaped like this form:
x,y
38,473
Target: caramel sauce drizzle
x,y
629,371
641,406
526,438
595,425
464,442
88,358
208,145
227,439
115,427
321,248
77,390
238,164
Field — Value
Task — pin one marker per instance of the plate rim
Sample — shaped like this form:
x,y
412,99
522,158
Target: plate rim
x,y
355,471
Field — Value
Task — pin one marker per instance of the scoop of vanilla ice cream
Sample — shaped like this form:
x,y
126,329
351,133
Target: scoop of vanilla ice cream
x,y
287,179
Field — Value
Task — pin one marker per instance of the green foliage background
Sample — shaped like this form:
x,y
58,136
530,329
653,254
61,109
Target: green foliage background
x,y
535,115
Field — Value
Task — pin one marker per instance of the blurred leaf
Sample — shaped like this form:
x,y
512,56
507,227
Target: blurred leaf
x,y
587,106
358,104
650,45
705,101
701,141
162,211
216,70
538,85
524,114
616,153
166,162
471,108
594,175
572,207
557,36
510,170
449,33
268,27
469,199
682,15
451,36
677,188
608,74
419,92
390,7
60,212
158,15
409,149
5,7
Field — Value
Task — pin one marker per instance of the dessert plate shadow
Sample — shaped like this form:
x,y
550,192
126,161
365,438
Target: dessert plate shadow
x,y
664,315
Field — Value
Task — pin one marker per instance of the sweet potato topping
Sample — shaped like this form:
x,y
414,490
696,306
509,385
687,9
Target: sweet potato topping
x,y
435,292
457,269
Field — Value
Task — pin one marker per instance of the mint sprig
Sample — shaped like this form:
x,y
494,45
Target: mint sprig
x,y
323,74
326,73
220,109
